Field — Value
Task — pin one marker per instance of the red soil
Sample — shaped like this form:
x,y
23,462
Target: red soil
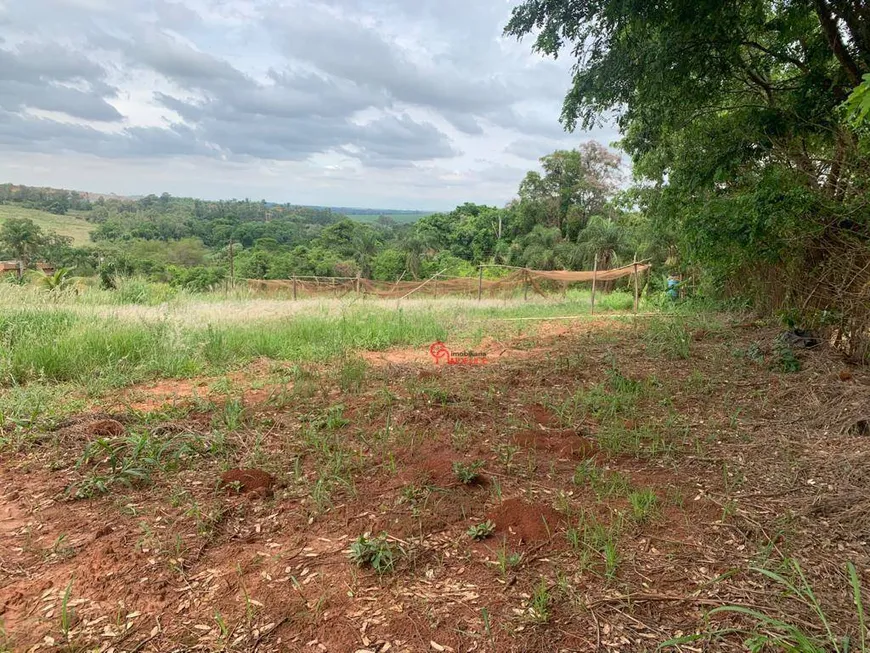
x,y
249,480
523,523
566,444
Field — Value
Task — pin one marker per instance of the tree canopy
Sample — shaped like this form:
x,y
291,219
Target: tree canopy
x,y
732,114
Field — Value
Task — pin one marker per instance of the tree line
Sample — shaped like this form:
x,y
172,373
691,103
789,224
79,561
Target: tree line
x,y
564,215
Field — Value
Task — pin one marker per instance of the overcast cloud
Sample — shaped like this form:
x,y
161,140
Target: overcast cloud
x,y
377,103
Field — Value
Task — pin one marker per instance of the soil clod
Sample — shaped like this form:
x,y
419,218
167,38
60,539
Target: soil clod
x,y
106,428
248,480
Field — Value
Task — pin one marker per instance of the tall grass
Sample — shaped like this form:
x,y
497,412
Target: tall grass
x,y
60,345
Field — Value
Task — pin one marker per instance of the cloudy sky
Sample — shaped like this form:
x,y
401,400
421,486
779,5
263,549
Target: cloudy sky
x,y
376,103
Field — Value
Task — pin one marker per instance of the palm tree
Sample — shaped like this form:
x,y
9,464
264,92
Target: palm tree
x,y
366,246
56,282
607,239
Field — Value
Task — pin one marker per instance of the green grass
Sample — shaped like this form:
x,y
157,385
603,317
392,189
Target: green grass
x,y
65,225
60,345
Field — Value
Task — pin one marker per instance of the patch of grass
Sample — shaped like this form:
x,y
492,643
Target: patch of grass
x,y
595,544
352,373
604,483
640,441
377,552
539,610
644,505
481,531
57,344
668,338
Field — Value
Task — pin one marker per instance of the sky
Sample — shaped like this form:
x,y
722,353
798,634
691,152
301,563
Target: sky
x,y
405,104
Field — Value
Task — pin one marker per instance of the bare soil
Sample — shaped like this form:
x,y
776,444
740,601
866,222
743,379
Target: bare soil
x,y
749,467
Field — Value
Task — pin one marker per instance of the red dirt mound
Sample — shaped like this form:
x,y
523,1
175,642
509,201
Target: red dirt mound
x,y
563,443
248,480
525,522
436,466
106,428
542,416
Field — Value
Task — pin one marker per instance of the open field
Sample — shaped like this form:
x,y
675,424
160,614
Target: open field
x,y
64,225
602,483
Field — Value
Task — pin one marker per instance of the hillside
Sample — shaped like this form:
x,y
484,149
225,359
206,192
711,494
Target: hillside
x,y
65,225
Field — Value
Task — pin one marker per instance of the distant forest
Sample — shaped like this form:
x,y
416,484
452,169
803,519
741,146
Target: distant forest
x,y
564,216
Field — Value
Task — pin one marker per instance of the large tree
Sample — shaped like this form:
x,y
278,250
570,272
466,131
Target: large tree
x,y
574,186
732,109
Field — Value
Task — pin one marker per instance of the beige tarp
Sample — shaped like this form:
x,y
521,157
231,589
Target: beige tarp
x,y
586,275
442,285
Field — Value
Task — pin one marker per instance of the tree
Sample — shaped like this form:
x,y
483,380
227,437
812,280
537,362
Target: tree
x,y
23,237
576,184
732,111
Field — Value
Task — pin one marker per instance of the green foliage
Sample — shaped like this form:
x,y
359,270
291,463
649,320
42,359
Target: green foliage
x,y
737,134
481,531
377,552
467,473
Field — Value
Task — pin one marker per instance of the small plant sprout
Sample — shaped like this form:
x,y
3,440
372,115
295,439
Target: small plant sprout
x,y
467,473
482,530
376,552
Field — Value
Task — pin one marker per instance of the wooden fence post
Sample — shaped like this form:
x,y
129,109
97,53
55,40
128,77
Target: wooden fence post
x,y
526,285
594,279
294,288
636,295
480,282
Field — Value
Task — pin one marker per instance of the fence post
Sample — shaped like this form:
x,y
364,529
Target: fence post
x,y
526,285
357,284
479,282
294,288
594,279
636,296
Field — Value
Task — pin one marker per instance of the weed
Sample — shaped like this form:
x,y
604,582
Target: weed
x,y
603,482
467,473
351,374
376,552
785,360
67,614
773,633
481,531
644,505
595,544
668,337
539,604
506,560
506,454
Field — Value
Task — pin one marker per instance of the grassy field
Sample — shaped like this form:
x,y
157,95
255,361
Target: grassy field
x,y
240,473
65,225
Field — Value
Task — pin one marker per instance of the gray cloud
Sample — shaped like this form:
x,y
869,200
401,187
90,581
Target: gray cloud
x,y
351,95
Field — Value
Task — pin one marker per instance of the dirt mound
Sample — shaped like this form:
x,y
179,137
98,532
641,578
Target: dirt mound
x,y
542,416
106,428
248,480
567,444
524,522
435,466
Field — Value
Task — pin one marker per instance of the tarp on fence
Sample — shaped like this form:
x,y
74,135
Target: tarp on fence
x,y
439,285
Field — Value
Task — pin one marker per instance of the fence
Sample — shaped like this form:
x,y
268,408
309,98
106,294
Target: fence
x,y
519,279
